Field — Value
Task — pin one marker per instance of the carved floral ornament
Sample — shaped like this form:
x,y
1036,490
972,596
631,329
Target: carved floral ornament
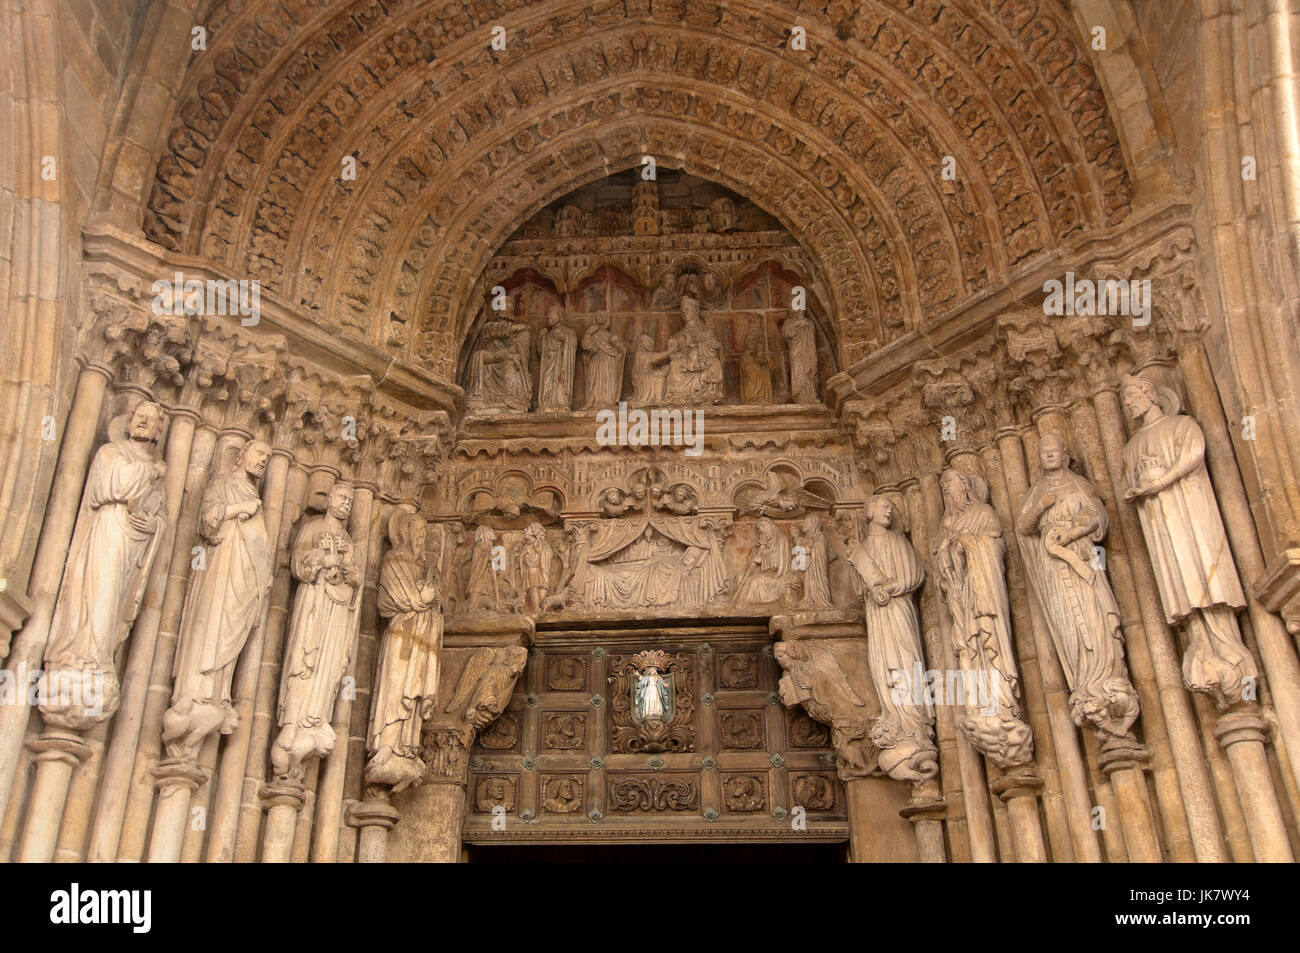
x,y
468,122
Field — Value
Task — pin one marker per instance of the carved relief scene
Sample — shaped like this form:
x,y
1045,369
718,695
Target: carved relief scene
x,y
670,292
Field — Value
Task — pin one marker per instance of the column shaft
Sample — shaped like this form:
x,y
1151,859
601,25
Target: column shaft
x,y
109,810
329,795
262,723
28,648
229,781
204,456
1189,760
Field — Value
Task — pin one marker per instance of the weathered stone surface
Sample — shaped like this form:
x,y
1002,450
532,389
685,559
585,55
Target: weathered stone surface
x,y
642,400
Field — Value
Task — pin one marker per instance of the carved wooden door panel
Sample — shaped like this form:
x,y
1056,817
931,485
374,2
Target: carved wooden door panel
x,y
712,756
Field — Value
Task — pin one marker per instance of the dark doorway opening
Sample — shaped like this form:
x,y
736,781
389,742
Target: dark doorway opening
x,y
657,853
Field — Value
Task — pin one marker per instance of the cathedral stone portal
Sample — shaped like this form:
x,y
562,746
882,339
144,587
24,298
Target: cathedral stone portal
x,y
812,431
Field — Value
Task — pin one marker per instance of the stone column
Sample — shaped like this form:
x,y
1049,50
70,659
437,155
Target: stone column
x,y
974,786
1020,793
209,453
262,723
1189,760
439,803
482,658
1125,767
234,754
925,812
1281,663
110,807
51,554
1177,838
1048,790
283,801
951,809
329,794
177,779
57,752
374,817
1242,733
1065,737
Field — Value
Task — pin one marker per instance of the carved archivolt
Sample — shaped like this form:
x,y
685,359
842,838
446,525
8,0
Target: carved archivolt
x,y
260,150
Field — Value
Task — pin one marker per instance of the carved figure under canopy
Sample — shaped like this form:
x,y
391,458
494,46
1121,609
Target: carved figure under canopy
x,y
489,586
559,349
321,630
694,361
535,558
603,353
225,602
1059,527
1166,479
889,572
649,372
969,567
118,532
767,579
755,371
666,294
816,556
801,337
406,681
499,377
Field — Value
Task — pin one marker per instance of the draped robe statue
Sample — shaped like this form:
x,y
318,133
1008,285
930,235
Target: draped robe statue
x,y
320,635
969,566
118,532
1060,522
535,559
648,379
694,361
755,372
801,338
559,349
816,569
224,603
767,579
604,352
406,681
489,585
499,376
889,572
650,695
1164,468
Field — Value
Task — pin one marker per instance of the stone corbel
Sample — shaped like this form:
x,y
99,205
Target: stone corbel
x,y
1279,589
482,658
824,655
